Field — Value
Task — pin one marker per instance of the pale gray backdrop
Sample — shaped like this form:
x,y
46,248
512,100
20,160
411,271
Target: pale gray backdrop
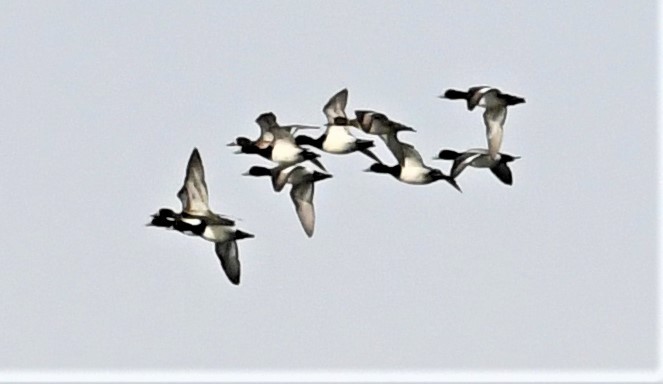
x,y
102,103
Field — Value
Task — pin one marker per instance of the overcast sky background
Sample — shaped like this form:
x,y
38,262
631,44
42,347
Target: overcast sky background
x,y
102,103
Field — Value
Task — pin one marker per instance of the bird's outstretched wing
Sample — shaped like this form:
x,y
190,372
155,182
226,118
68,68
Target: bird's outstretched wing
x,y
193,193
335,107
229,258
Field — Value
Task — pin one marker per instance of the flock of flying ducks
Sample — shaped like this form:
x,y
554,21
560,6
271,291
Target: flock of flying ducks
x,y
286,148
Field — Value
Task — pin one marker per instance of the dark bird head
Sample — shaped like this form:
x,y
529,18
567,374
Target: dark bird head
x,y
247,146
164,218
258,171
382,168
454,94
377,168
447,154
240,141
307,140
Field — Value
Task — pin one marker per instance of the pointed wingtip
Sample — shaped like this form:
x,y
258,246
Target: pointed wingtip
x,y
195,156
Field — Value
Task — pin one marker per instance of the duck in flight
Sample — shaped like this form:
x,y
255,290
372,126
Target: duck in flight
x,y
495,103
301,193
410,168
277,144
285,151
263,144
196,219
376,123
479,158
338,139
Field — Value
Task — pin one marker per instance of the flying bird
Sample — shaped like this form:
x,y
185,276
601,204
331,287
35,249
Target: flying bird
x,y
495,103
410,168
196,219
263,144
376,123
338,139
302,190
277,144
479,158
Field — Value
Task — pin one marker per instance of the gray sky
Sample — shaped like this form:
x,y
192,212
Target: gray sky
x,y
104,101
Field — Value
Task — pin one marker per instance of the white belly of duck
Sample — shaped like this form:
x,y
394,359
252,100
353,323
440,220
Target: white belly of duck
x,y
285,152
217,233
338,141
414,175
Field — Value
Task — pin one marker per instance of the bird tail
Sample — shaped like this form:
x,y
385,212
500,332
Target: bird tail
x,y
308,155
363,147
453,183
313,158
364,144
243,235
512,100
